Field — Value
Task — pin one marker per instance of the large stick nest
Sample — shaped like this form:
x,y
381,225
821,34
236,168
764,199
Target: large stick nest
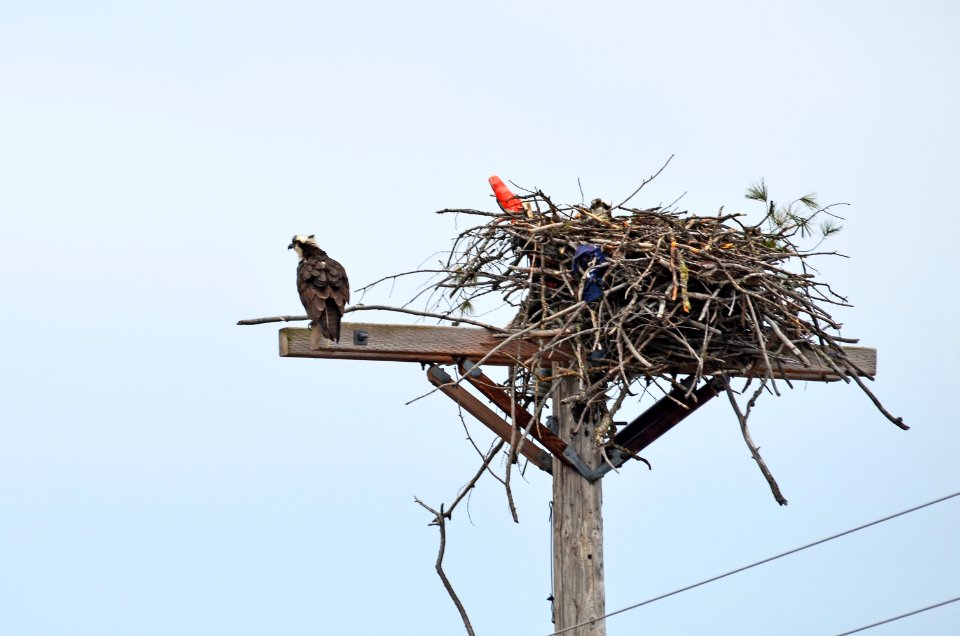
x,y
639,295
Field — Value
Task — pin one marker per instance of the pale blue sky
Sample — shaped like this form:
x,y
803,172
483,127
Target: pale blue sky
x,y
165,472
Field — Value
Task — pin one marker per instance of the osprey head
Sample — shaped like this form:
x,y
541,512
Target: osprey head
x,y
300,241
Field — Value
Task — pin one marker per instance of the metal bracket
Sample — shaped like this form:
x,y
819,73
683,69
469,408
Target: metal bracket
x,y
590,474
472,369
616,457
360,337
440,374
553,424
578,463
545,458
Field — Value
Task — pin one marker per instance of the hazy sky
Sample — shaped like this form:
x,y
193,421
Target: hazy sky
x,y
163,471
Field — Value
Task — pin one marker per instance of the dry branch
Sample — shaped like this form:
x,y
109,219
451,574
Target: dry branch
x,y
440,520
742,415
399,310
441,517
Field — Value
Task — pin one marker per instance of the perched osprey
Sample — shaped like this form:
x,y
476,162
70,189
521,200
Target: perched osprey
x,y
323,286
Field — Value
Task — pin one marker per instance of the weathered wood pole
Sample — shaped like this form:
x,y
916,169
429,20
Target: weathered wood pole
x,y
578,591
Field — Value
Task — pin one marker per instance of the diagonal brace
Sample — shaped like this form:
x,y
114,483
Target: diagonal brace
x,y
442,380
543,434
666,413
521,417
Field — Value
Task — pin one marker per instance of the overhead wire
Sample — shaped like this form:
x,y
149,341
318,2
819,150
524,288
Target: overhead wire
x,y
756,563
896,618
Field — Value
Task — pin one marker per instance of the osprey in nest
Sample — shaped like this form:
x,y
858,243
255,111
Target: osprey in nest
x,y
323,286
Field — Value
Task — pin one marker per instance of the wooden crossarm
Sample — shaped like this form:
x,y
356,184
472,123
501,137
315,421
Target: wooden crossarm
x,y
444,345
406,343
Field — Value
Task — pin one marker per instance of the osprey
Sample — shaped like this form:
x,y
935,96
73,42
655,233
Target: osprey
x,y
323,286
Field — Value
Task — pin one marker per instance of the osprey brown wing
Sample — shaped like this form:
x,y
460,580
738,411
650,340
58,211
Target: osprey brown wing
x,y
324,292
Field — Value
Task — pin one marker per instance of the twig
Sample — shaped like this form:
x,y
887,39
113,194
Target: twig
x,y
873,398
262,321
754,451
645,182
484,467
439,520
399,310
393,277
793,348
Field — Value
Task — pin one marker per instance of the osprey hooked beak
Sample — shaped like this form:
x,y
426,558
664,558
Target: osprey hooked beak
x,y
300,239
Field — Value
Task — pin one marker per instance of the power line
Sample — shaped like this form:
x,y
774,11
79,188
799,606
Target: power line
x,y
755,564
896,618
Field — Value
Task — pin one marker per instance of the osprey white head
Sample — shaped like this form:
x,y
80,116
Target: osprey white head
x,y
300,241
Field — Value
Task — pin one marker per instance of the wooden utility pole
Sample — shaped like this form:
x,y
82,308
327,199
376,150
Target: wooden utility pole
x,y
578,592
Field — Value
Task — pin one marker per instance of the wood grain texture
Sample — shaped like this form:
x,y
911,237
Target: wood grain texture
x,y
443,345
578,585
405,343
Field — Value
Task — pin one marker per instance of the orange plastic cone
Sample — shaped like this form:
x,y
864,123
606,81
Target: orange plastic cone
x,y
507,200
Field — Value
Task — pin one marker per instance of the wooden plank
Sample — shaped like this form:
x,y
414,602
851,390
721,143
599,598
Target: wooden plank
x,y
405,343
439,378
521,417
864,358
442,345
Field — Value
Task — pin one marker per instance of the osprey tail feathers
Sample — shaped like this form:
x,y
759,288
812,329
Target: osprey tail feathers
x,y
330,322
326,326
